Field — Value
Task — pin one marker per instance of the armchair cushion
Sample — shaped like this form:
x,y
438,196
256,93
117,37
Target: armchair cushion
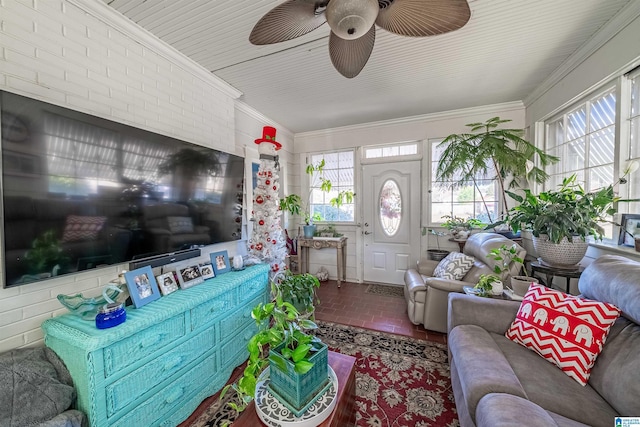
x,y
180,224
454,266
566,330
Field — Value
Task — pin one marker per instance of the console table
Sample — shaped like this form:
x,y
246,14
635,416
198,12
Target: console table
x,y
344,413
156,368
339,243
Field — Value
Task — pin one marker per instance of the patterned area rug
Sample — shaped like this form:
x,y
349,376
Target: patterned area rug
x,y
386,290
400,381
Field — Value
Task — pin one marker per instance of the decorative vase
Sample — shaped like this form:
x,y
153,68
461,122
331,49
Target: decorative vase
x,y
497,288
563,254
299,391
309,231
520,284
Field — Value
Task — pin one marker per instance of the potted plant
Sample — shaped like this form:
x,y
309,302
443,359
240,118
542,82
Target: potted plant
x,y
186,166
294,205
493,153
299,290
489,284
328,230
45,255
460,228
436,254
561,220
504,256
298,360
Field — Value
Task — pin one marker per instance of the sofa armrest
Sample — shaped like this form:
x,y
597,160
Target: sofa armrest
x,y
491,314
413,281
426,266
447,285
506,410
201,229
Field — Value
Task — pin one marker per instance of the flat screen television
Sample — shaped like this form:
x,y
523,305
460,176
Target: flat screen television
x,y
80,192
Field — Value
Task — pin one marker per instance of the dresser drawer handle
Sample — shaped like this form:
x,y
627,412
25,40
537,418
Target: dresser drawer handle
x,y
218,306
148,342
172,363
174,395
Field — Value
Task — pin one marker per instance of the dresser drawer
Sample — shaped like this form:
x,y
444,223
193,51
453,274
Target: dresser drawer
x,y
123,353
235,351
203,313
128,388
238,319
249,290
164,401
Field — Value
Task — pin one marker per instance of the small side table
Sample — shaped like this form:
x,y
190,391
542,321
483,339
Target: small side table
x,y
340,244
550,271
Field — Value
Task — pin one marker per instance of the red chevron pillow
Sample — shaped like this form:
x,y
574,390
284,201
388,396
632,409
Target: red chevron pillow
x,y
566,330
78,228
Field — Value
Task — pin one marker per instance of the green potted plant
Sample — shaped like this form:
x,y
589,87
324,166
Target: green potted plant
x,y
436,254
493,153
293,203
488,285
45,255
504,256
299,290
298,360
561,220
328,230
460,228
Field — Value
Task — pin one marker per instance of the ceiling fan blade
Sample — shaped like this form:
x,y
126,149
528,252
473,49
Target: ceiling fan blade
x,y
289,20
350,56
419,18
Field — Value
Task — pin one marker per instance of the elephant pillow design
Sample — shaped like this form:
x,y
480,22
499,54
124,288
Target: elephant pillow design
x,y
566,330
454,266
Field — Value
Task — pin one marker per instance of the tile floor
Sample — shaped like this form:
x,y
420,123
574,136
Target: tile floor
x,y
352,305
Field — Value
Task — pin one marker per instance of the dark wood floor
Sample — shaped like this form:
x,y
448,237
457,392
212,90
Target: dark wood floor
x,y
352,305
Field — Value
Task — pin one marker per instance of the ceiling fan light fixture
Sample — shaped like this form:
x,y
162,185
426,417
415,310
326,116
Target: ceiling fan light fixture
x,y
351,19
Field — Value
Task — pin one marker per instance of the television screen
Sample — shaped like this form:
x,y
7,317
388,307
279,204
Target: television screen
x,y
80,192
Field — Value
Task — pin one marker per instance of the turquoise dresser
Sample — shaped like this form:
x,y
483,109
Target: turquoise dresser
x,y
156,368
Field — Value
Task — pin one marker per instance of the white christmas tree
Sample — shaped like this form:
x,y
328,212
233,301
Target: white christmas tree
x,y
267,242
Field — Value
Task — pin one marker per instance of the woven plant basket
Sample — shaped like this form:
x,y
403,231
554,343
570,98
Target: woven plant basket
x,y
563,254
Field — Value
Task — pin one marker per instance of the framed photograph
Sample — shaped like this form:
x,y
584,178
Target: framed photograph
x,y
142,286
220,261
629,228
188,274
207,271
167,283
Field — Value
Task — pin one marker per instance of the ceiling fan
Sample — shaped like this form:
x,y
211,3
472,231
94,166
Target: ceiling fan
x,y
352,23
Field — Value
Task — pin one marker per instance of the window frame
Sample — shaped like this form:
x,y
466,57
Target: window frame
x,y
309,159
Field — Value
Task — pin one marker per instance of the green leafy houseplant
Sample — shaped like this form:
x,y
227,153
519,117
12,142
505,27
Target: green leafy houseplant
x,y
460,227
505,255
45,253
299,290
279,323
484,287
293,203
492,153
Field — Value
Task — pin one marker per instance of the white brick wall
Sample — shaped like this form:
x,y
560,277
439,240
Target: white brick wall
x,y
82,55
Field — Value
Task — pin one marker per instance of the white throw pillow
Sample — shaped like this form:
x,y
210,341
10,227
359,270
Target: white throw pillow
x,y
454,266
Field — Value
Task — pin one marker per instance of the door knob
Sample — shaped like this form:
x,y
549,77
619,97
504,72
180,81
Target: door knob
x,y
366,224
367,232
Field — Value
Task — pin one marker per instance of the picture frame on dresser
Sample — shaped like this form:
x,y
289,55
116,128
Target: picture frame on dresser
x,y
167,283
142,286
207,271
629,228
188,274
220,262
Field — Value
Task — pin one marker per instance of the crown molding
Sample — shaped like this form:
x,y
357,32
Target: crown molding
x,y
443,115
111,17
257,115
612,27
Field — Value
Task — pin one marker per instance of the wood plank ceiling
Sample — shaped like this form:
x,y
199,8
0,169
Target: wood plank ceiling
x,y
508,48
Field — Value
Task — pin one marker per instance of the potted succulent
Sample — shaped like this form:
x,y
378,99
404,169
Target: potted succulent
x,y
460,228
284,343
294,205
562,220
493,153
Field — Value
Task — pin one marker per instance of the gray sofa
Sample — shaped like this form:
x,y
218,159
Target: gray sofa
x,y
497,382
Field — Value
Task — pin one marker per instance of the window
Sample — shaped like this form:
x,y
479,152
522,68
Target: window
x,y
339,169
584,139
464,200
633,152
396,150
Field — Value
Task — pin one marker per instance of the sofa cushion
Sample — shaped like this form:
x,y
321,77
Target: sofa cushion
x,y
78,228
454,266
566,330
180,224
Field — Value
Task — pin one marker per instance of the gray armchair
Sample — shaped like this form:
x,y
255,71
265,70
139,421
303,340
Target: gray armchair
x,y
426,295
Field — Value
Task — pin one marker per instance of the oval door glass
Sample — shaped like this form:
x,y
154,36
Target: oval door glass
x,y
390,207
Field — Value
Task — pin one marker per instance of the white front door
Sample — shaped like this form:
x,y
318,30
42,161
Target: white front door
x,y
391,227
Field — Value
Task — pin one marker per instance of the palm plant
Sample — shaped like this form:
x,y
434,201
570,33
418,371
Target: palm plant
x,y
491,153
